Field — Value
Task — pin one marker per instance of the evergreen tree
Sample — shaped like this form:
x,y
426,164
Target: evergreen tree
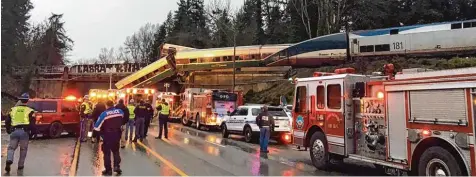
x,y
258,16
55,43
14,30
159,39
169,25
222,33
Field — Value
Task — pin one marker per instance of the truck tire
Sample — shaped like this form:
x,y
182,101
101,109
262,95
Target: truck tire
x,y
197,123
319,151
437,161
224,131
55,130
185,121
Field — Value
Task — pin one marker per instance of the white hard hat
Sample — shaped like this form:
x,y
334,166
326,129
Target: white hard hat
x,y
131,101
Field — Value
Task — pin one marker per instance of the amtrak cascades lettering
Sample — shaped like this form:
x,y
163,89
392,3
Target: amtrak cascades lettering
x,y
108,68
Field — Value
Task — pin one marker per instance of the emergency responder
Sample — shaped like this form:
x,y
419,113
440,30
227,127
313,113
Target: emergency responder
x,y
98,109
19,124
265,122
125,120
85,114
164,111
140,113
109,124
149,116
128,117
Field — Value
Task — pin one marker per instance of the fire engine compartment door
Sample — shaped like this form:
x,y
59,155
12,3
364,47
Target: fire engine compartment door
x,y
300,114
396,125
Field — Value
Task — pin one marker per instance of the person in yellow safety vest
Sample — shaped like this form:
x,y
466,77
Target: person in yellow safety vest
x,y
85,115
164,111
130,124
20,124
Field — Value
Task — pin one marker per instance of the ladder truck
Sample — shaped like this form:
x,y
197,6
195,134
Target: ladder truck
x,y
417,122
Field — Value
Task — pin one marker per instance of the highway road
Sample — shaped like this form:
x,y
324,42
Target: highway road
x,y
187,152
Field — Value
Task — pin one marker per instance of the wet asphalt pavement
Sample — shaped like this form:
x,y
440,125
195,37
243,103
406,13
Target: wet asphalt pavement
x,y
187,152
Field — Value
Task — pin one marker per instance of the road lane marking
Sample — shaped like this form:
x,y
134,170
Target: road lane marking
x,y
165,161
74,164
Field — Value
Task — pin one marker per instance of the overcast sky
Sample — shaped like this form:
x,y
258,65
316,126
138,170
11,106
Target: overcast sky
x,y
94,24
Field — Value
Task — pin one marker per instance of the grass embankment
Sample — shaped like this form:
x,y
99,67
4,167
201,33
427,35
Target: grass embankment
x,y
275,90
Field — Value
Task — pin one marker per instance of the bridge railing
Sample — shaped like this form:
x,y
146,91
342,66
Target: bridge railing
x,y
20,70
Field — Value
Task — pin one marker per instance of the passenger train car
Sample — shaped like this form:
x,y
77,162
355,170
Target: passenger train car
x,y
189,59
448,38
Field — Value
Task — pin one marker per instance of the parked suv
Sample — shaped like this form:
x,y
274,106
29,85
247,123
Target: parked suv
x,y
242,121
55,116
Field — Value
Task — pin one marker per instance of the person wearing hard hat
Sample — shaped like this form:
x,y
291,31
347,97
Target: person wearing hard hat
x,y
19,124
164,110
85,114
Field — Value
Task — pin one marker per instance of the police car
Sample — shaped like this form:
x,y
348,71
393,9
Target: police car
x,y
242,121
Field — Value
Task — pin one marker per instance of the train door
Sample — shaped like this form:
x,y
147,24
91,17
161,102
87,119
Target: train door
x,y
300,114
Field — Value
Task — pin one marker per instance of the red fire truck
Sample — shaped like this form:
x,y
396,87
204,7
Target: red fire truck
x,y
208,107
174,103
417,122
137,94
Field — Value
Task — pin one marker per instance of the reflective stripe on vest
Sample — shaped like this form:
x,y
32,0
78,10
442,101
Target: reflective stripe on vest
x,y
87,108
131,112
164,110
20,115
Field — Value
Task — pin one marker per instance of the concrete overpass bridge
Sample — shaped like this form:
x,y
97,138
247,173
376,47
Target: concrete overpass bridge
x,y
57,81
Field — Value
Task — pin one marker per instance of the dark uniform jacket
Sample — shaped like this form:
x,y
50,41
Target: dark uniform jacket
x,y
126,112
150,109
264,119
110,120
30,127
141,111
98,109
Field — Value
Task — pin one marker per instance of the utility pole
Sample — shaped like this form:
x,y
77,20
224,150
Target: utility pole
x,y
166,85
234,57
110,80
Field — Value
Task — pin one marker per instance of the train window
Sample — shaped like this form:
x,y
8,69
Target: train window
x,y
366,48
382,47
467,25
227,58
320,97
394,31
216,59
473,24
456,26
193,60
334,96
238,58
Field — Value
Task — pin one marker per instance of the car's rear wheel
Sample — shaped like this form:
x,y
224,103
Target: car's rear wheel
x,y
248,133
55,130
224,131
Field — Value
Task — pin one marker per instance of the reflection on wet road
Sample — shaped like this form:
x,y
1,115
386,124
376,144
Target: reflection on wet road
x,y
187,152
48,157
